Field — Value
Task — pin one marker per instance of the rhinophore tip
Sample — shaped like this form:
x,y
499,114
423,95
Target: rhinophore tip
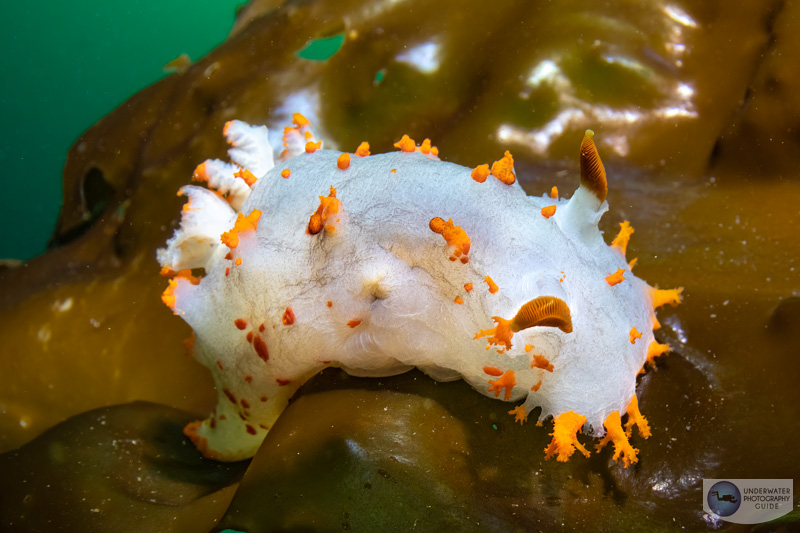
x,y
593,174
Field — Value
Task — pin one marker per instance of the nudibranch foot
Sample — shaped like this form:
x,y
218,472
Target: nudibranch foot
x,y
377,264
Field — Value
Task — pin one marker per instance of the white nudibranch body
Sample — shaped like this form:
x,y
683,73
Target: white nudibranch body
x,y
381,263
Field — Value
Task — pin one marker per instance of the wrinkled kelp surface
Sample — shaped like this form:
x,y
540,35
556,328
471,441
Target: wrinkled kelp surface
x,y
699,110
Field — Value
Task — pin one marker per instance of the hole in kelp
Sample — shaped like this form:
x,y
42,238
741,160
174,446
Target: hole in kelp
x,y
96,195
323,48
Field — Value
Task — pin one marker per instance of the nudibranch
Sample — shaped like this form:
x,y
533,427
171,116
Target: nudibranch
x,y
377,264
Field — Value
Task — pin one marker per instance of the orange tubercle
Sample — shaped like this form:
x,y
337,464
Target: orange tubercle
x,y
353,323
493,288
480,173
548,211
506,381
503,169
654,350
425,147
343,162
458,300
500,335
243,224
520,414
312,147
240,323
667,296
536,387
540,361
635,335
248,177
168,296
468,287
299,120
615,434
363,149
406,144
620,242
434,151
453,235
635,418
285,173
288,317
565,436
616,277
328,206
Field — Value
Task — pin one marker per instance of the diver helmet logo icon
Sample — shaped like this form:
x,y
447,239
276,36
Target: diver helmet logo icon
x,y
724,498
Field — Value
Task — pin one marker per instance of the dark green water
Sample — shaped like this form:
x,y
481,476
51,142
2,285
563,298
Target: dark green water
x,y
64,66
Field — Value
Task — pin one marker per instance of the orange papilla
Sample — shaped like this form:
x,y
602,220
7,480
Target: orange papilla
x,y
434,151
354,323
500,335
328,206
666,296
243,224
654,349
503,169
288,317
240,323
565,436
548,211
343,162
520,414
249,178
285,173
299,120
616,277
363,149
168,296
454,235
634,334
312,147
554,192
620,242
425,147
308,135
406,144
635,418
540,361
468,287
528,348
615,434
506,381
493,288
458,300
480,173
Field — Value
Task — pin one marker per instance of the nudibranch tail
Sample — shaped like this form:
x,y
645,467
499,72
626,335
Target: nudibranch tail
x,y
593,173
543,311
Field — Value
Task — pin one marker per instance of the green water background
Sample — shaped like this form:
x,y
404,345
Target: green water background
x,y
64,66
